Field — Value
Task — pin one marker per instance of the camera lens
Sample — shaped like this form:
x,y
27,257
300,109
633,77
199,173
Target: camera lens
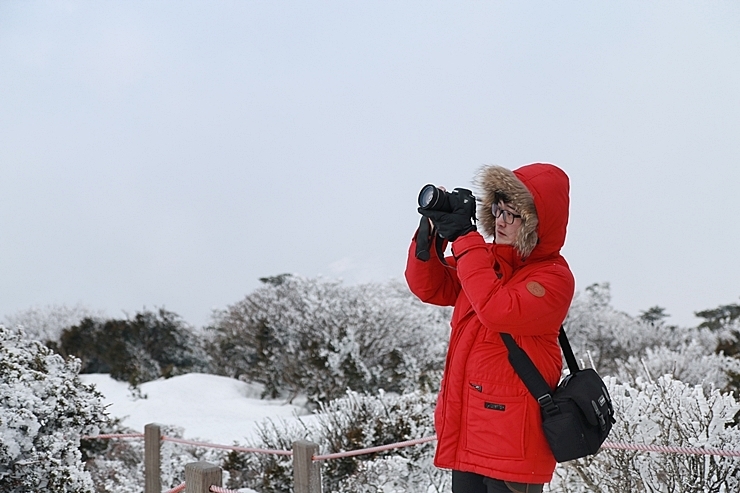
x,y
433,198
428,196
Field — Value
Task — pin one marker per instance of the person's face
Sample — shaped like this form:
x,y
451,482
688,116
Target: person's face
x,y
508,222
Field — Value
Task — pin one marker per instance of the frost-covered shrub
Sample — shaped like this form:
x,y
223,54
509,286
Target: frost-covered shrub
x,y
46,323
149,346
625,346
360,421
353,422
724,322
319,338
44,411
596,329
661,412
723,317
691,363
606,336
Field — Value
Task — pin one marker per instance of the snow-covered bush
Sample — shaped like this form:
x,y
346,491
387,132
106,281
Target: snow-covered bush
x,y
147,347
355,421
690,363
46,323
661,412
360,421
319,338
724,317
606,336
44,411
724,323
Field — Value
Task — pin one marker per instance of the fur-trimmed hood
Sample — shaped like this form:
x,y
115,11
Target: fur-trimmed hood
x,y
540,193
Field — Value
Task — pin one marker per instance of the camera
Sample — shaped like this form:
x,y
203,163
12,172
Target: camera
x,y
433,198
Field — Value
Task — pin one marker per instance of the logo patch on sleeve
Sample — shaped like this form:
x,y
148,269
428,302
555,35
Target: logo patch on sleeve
x,y
536,289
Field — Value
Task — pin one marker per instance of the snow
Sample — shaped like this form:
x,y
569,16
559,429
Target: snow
x,y
209,407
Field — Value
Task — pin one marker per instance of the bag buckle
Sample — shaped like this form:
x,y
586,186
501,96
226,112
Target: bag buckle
x,y
547,404
599,415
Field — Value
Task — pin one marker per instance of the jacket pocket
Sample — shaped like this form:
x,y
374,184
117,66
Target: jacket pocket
x,y
495,424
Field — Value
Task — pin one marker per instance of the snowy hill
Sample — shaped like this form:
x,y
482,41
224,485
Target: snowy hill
x,y
208,407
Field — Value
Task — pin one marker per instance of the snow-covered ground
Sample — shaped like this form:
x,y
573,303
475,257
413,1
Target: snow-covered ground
x,y
209,407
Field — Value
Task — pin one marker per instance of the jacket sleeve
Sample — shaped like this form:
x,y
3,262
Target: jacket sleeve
x,y
432,281
534,305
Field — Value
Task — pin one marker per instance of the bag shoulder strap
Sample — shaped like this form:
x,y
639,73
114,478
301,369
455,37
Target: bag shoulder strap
x,y
531,376
570,358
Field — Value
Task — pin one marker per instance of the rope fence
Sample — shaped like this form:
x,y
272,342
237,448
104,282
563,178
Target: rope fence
x,y
372,450
177,489
667,449
218,489
227,447
664,449
213,488
114,435
306,460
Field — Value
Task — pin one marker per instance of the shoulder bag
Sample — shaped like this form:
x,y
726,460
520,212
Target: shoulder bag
x,y
578,415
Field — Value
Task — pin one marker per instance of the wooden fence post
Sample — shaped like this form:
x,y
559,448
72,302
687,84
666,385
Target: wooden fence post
x,y
306,472
200,476
152,457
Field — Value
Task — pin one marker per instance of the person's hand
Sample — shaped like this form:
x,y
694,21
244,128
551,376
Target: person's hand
x,y
452,225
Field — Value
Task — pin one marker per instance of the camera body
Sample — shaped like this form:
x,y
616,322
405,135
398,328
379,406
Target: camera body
x,y
434,198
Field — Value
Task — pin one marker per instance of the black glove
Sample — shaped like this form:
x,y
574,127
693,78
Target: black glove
x,y
451,225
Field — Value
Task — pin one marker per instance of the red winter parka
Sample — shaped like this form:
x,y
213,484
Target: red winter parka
x,y
486,420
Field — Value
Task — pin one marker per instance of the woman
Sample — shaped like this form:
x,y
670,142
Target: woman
x,y
488,425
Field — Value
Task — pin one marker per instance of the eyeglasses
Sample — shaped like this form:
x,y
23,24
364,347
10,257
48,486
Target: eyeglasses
x,y
508,216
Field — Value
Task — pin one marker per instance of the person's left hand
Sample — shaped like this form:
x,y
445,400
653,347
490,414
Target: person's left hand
x,y
451,225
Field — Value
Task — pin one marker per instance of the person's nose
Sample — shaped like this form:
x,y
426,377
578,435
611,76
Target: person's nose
x,y
500,220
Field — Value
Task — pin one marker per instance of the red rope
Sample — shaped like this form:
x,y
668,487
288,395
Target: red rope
x,y
176,489
372,450
218,489
666,449
228,447
213,488
118,435
670,449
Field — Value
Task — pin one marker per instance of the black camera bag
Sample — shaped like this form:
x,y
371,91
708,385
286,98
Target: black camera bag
x,y
578,415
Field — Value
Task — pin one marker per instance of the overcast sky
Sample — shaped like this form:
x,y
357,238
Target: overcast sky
x,y
171,153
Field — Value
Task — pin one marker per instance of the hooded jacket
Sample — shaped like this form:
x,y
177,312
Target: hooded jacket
x,y
486,420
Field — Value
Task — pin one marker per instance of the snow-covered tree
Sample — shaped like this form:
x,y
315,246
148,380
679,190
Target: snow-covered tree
x,y
645,346
724,321
722,317
692,363
146,347
318,338
604,335
600,333
44,411
663,412
46,323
